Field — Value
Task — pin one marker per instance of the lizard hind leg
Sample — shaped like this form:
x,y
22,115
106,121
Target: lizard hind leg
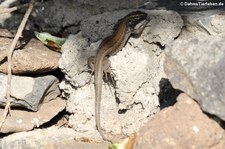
x,y
109,75
108,79
108,72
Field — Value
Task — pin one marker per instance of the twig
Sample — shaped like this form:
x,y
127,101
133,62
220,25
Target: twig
x,y
9,57
8,10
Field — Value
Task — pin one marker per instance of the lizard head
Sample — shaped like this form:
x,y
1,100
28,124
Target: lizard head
x,y
136,21
134,18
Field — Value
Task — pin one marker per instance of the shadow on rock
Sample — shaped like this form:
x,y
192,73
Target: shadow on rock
x,y
167,94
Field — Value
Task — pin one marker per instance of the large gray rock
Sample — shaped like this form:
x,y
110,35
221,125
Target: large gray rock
x,y
138,69
28,92
194,64
30,56
182,126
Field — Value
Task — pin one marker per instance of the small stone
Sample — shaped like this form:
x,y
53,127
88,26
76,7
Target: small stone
x,y
28,92
22,120
30,56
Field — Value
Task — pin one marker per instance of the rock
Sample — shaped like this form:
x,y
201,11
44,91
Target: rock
x,y
50,138
21,120
75,52
182,126
194,64
66,15
163,27
160,22
31,56
205,22
5,17
28,92
136,87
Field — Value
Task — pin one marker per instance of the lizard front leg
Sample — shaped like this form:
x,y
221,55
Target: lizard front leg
x,y
107,70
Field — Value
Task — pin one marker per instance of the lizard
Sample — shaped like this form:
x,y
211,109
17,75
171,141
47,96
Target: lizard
x,y
131,24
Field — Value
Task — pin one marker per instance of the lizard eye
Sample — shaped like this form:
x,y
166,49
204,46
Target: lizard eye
x,y
131,23
135,17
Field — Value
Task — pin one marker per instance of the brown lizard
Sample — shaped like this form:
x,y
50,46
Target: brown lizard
x,y
132,24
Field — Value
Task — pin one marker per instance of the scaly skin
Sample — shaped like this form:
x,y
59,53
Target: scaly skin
x,y
133,23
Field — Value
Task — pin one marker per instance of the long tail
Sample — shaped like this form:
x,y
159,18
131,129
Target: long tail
x,y
98,95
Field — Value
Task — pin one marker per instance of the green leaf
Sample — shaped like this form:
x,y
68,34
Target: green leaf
x,y
47,38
